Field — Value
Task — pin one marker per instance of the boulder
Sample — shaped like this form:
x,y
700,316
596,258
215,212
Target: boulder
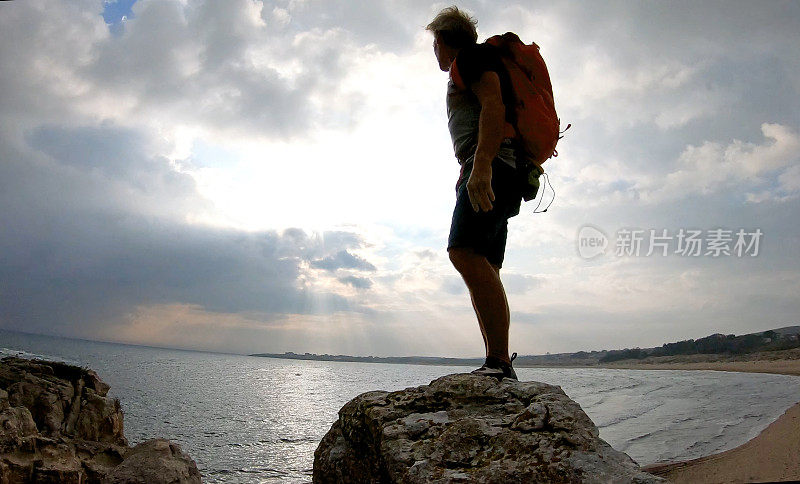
x,y
155,461
58,424
16,428
469,428
64,400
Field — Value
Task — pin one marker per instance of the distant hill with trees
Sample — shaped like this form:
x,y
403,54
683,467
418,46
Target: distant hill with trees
x,y
730,344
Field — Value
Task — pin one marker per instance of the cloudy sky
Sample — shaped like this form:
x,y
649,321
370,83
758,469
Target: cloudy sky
x,y
249,176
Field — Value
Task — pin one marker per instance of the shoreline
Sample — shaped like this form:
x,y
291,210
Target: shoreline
x,y
778,367
773,455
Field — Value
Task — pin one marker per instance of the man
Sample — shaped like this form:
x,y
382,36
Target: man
x,y
487,192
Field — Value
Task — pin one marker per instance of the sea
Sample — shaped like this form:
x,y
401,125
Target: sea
x,y
248,419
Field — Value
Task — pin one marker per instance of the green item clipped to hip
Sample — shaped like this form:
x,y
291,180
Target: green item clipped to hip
x,y
530,181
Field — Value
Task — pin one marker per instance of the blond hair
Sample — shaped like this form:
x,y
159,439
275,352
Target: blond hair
x,y
454,27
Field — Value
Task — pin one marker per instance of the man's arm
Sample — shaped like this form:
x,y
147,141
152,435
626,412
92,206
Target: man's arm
x,y
490,136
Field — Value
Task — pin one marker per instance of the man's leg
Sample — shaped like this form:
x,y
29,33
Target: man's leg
x,y
480,323
505,298
488,296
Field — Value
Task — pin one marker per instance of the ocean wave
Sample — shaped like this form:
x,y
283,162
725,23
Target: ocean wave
x,y
634,413
662,387
628,386
646,435
34,356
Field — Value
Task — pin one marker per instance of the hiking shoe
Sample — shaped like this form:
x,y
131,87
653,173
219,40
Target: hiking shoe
x,y
497,368
486,370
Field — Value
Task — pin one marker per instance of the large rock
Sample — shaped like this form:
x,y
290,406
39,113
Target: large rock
x,y
157,460
64,400
469,428
58,424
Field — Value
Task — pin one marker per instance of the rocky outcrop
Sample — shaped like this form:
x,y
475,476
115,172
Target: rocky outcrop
x,y
469,428
58,424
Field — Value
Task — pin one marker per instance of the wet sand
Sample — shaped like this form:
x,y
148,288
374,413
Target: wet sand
x,y
774,455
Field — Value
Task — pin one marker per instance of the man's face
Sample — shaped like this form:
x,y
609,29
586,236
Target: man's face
x,y
441,50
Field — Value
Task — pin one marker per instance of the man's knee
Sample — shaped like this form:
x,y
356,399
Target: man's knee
x,y
462,258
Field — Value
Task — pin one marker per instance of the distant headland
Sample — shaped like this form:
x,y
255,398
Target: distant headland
x,y
781,343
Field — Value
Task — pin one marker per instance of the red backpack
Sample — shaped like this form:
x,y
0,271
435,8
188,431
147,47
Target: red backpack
x,y
535,124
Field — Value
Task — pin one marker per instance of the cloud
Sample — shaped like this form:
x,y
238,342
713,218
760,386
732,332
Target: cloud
x,y
356,282
226,70
712,166
520,283
161,176
789,180
342,260
97,228
453,285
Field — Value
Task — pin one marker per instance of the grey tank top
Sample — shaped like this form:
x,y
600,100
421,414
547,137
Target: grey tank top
x,y
463,115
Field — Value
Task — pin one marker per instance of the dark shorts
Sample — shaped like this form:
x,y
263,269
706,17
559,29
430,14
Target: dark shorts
x,y
486,232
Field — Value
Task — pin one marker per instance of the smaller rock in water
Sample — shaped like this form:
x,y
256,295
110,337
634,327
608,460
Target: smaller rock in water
x,y
469,428
156,460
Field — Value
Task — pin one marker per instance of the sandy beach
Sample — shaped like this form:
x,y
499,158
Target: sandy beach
x,y
774,455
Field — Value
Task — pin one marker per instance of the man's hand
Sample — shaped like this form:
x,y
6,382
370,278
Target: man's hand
x,y
479,188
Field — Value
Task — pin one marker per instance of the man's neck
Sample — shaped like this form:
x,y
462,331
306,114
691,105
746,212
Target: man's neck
x,y
452,52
